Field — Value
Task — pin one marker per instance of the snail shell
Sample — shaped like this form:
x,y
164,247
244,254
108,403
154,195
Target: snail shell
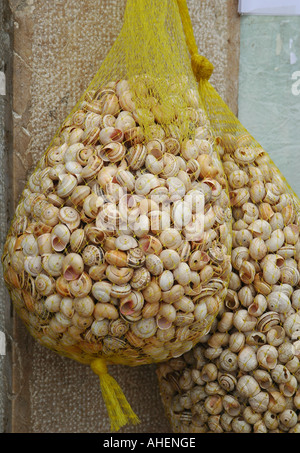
x,y
81,286
52,264
141,226
267,320
94,164
150,245
193,169
227,381
60,237
154,163
77,240
125,121
171,166
110,134
125,242
92,255
134,136
150,310
238,179
135,258
29,245
91,205
102,291
50,215
243,321
276,241
271,268
105,310
106,174
159,220
198,260
181,214
174,294
67,307
118,327
136,156
120,291
244,155
100,328
275,336
280,374
260,228
289,275
131,304
182,274
152,293
117,275
190,149
66,185
145,183
62,286
126,101
79,194
231,405
238,197
55,154
93,234
247,386
166,280
259,402
247,360
267,356
70,217
145,328
116,258
45,284
52,303
126,179
112,152
84,306
72,266
171,238
140,278
258,248
278,302
170,259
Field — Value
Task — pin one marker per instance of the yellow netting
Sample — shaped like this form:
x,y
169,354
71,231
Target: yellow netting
x,y
119,250
244,375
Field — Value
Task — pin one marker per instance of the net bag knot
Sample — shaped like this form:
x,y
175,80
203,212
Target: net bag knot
x,y
118,408
202,67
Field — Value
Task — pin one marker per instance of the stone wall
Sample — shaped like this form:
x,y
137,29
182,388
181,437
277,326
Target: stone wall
x,y
6,207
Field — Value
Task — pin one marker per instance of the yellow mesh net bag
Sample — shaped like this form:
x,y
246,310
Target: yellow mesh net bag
x,y
244,375
119,250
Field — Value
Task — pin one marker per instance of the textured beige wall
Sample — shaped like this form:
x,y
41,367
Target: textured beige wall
x,y
58,46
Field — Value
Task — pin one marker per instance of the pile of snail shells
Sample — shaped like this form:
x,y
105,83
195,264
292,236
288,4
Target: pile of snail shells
x,y
109,253
244,375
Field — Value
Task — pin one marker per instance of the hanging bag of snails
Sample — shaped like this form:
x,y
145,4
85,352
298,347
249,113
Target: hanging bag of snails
x,y
244,375
119,250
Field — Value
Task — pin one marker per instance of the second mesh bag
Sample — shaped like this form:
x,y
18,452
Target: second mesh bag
x,y
243,377
120,245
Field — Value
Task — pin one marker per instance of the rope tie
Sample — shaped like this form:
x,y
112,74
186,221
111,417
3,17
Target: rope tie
x,y
201,66
118,408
